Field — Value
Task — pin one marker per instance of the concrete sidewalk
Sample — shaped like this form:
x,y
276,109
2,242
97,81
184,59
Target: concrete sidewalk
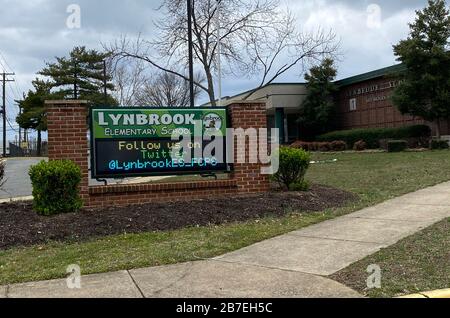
x,y
293,265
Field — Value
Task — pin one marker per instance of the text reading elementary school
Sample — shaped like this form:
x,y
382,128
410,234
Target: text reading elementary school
x,y
139,141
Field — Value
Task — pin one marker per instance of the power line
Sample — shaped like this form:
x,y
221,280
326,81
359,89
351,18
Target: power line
x,y
3,65
8,67
11,126
17,95
9,98
8,119
12,103
16,92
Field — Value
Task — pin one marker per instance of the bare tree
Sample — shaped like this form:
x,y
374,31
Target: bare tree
x,y
129,79
257,38
165,89
274,58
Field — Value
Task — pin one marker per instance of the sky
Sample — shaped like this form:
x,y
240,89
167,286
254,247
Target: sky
x,y
33,32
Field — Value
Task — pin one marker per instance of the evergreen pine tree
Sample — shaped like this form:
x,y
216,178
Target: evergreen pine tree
x,y
80,76
32,110
425,87
317,111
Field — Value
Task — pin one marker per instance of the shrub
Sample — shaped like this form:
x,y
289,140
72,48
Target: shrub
x,y
373,136
413,143
294,164
360,145
301,145
299,186
2,172
338,145
324,146
397,145
437,144
55,187
320,146
314,146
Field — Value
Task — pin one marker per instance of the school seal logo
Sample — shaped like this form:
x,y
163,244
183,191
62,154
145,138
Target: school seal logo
x,y
212,123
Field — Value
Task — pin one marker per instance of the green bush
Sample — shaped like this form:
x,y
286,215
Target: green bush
x,y
55,187
372,136
301,145
360,145
338,145
324,146
397,145
294,164
320,146
299,186
437,144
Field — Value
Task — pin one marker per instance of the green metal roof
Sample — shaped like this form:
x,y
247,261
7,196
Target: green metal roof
x,y
343,82
371,75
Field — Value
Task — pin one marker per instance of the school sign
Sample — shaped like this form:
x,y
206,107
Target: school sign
x,y
133,142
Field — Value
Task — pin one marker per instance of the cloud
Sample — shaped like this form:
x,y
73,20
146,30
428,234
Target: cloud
x,y
34,31
367,29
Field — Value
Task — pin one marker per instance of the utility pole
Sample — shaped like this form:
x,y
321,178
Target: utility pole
x,y
20,129
3,112
191,53
219,52
105,83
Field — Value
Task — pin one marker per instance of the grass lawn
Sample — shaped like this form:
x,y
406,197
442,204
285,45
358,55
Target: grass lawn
x,y
374,177
416,264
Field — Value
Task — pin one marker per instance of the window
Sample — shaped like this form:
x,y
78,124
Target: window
x,y
352,104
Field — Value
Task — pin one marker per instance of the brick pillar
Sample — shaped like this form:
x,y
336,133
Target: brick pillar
x,y
67,137
247,115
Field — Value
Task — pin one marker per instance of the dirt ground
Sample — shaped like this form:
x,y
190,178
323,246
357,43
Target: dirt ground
x,y
21,226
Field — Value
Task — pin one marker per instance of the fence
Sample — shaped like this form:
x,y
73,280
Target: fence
x,y
27,149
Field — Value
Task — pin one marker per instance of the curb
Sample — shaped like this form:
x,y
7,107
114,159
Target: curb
x,y
443,293
16,199
144,180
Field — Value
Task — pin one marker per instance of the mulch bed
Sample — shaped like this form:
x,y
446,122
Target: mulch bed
x,y
21,226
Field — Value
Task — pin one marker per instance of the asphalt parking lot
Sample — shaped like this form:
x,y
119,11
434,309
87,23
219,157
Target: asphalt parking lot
x,y
18,182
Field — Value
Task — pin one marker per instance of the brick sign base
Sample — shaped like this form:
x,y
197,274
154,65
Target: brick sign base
x,y
67,139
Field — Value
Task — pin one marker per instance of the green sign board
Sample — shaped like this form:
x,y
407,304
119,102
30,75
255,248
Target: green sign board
x,y
128,142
